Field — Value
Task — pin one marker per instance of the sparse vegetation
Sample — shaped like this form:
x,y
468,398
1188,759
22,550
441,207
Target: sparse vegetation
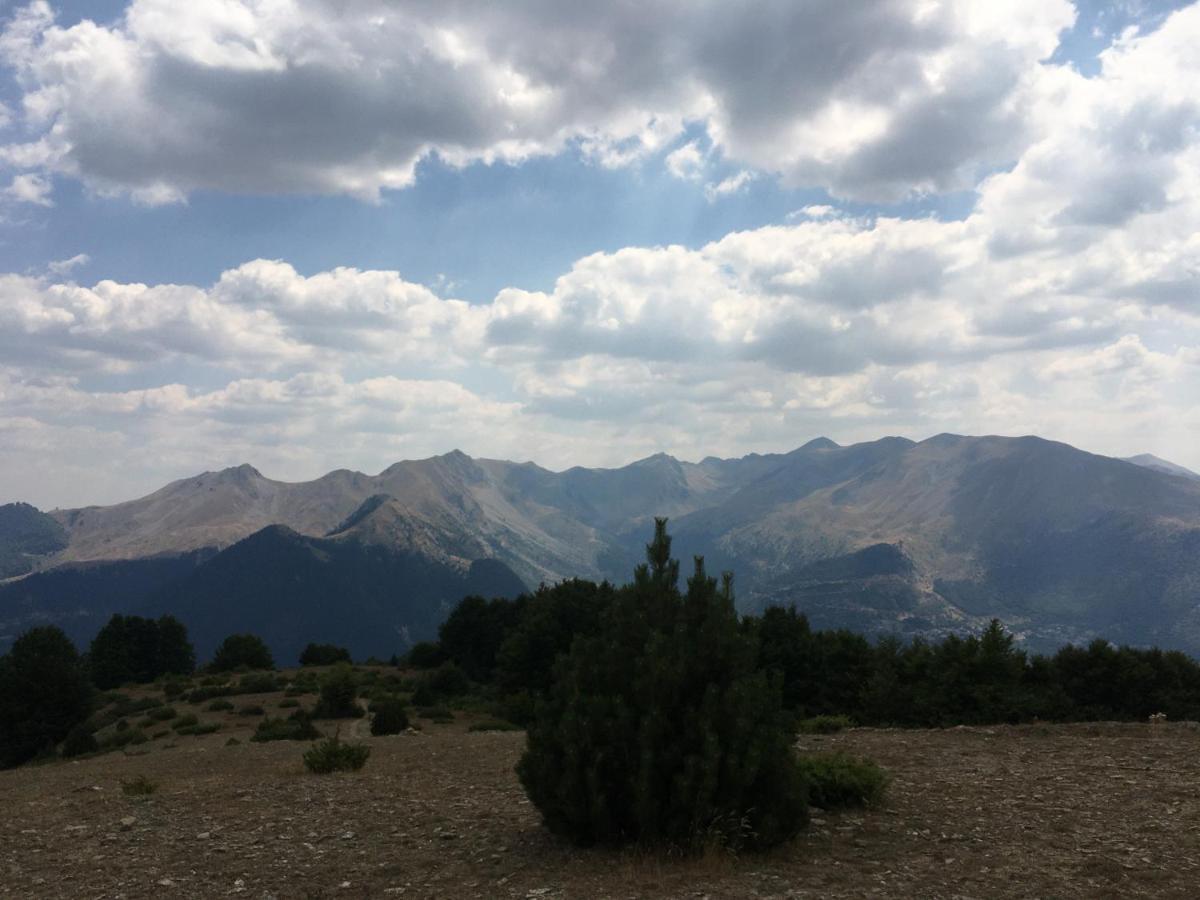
x,y
494,725
220,706
296,727
139,786
250,709
161,714
332,755
390,717
824,724
115,740
199,728
258,683
838,781
185,721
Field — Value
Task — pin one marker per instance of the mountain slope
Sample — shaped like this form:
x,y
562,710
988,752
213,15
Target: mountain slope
x,y
292,589
26,535
886,535
1150,461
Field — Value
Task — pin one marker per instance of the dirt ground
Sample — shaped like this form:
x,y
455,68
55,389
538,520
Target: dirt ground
x,y
1033,811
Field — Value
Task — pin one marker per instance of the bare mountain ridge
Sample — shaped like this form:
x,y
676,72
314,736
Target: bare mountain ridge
x,y
887,535
1150,461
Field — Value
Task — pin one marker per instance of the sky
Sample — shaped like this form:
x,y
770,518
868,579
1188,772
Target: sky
x,y
318,234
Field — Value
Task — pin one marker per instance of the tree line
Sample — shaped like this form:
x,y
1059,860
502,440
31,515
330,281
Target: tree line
x,y
979,679
511,650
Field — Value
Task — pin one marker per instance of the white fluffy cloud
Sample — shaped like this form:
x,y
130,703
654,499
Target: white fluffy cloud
x,y
1067,303
872,99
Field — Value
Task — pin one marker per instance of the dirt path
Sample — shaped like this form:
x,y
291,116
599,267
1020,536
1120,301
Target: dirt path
x,y
360,727
1071,811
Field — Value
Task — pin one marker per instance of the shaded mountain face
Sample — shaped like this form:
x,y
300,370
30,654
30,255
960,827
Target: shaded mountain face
x,y
81,597
27,535
291,589
883,536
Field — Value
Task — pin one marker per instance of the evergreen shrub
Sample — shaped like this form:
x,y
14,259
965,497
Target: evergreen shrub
x,y
331,755
660,729
838,780
390,717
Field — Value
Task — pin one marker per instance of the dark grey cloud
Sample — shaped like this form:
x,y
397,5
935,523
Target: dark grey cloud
x,y
348,97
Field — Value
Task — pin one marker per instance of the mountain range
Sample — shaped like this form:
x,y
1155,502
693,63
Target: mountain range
x,y
887,536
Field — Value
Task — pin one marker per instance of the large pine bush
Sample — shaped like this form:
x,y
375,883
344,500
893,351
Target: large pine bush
x,y
661,729
44,694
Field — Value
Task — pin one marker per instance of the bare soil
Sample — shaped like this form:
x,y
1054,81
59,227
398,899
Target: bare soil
x,y
1033,811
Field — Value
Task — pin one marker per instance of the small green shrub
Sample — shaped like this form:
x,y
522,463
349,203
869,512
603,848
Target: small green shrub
x,y
838,780
199,728
118,739
289,704
220,706
258,683
129,707
390,717
141,786
252,709
185,721
79,742
202,694
331,755
232,742
296,727
824,724
339,688
161,714
494,725
173,689
159,734
122,725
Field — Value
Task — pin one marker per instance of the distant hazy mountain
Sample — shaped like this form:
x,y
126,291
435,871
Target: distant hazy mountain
x,y
884,536
1150,461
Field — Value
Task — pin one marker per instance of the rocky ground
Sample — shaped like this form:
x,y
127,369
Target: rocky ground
x,y
1034,811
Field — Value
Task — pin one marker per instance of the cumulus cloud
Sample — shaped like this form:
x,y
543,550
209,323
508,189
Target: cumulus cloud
x,y
872,99
30,187
1067,303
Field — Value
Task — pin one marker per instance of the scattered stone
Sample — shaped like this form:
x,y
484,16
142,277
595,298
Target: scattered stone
x,y
127,823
